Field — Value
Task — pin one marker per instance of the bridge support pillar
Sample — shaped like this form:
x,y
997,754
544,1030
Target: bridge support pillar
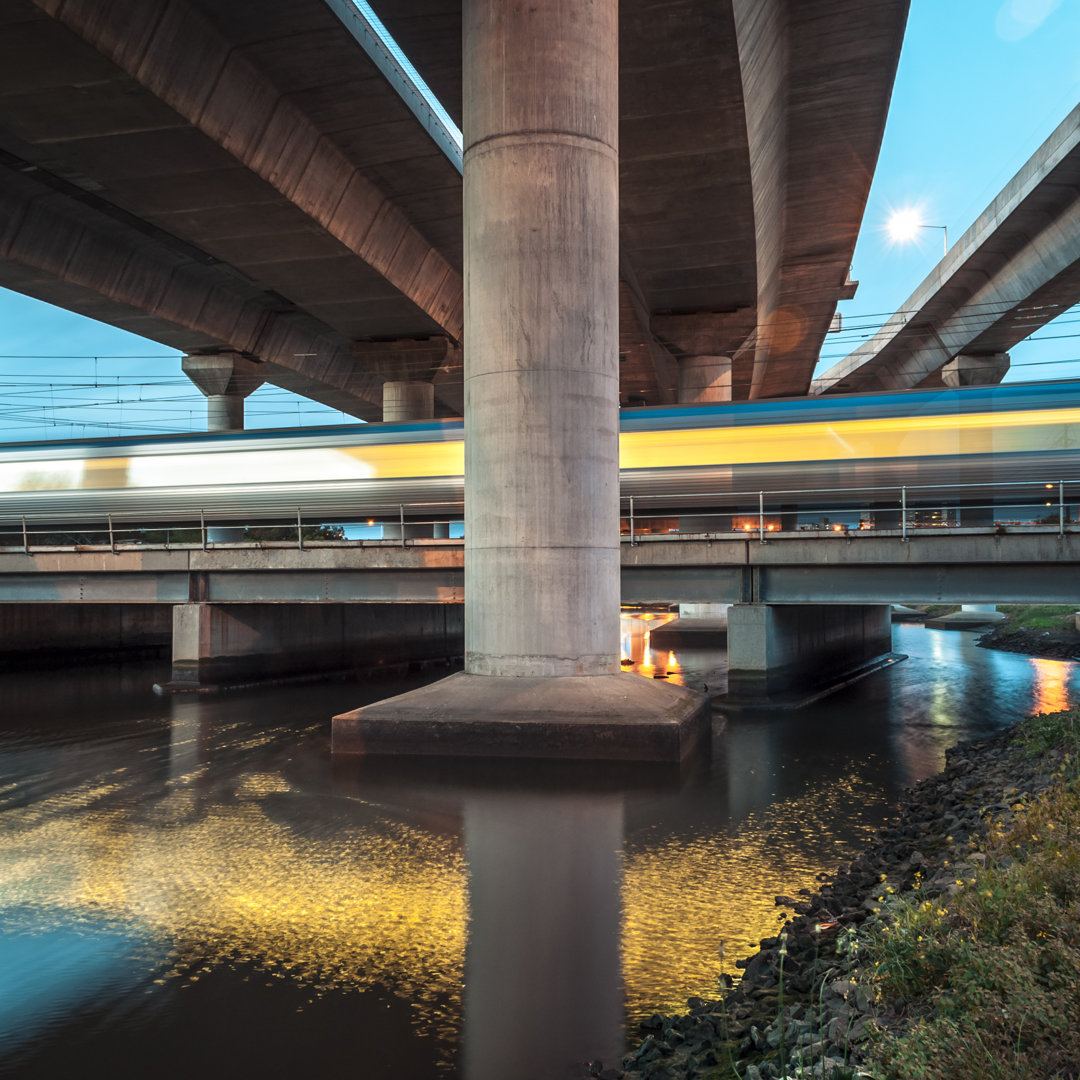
x,y
968,370
226,379
787,655
217,645
704,379
407,401
541,180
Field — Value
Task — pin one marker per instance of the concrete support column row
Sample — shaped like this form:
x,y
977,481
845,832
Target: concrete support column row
x,y
219,644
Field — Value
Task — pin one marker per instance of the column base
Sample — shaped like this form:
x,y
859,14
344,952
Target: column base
x,y
619,717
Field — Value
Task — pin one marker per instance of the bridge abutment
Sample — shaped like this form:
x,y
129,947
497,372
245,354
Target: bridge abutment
x,y
541,177
786,655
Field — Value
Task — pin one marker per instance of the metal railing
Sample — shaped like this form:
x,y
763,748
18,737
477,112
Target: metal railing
x,y
904,509
764,515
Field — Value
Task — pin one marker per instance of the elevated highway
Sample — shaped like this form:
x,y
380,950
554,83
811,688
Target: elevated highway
x,y
244,179
1014,270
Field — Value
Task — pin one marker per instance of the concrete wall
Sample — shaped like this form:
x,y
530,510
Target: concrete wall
x,y
775,649
235,642
45,633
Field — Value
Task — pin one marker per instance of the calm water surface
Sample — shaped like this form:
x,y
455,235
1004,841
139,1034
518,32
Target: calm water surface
x,y
189,886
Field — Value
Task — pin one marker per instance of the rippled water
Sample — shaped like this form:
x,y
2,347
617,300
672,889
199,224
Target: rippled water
x,y
191,886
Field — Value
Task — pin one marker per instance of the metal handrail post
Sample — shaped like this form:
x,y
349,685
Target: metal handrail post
x,y
903,514
401,520
112,539
299,531
25,537
632,540
1061,508
202,529
761,517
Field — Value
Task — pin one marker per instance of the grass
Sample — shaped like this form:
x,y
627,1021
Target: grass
x,y
990,974
1038,616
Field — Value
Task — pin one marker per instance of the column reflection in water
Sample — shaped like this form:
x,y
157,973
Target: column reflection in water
x,y
543,990
186,735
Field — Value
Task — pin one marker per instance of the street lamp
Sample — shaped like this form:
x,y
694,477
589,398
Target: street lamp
x,y
903,223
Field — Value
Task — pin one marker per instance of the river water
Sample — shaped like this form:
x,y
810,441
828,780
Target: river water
x,y
189,886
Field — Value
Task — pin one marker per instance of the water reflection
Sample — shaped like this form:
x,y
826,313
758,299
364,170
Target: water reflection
x,y
174,866
543,979
1051,684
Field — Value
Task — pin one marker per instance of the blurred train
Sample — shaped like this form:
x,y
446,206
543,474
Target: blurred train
x,y
672,458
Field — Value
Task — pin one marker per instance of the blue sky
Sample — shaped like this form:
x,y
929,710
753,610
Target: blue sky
x,y
980,85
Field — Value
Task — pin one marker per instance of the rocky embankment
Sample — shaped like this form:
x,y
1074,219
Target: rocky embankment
x,y
1058,644
799,999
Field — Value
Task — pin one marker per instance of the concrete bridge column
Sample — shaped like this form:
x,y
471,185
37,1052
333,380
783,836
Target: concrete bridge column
x,y
222,644
704,379
785,655
226,379
407,401
541,410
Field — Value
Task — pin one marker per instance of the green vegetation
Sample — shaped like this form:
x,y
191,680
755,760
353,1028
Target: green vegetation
x,y
990,973
1038,616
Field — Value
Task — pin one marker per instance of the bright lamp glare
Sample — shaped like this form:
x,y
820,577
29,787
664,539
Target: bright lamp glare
x,y
904,225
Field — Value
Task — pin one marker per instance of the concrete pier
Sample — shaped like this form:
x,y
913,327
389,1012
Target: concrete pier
x,y
407,401
541,401
704,379
226,379
217,645
786,655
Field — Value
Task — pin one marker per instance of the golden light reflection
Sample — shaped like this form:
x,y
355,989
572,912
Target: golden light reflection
x,y
1051,684
686,897
352,907
351,904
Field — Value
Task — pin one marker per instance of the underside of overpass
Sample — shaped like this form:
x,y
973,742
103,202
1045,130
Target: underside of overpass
x,y
243,178
656,204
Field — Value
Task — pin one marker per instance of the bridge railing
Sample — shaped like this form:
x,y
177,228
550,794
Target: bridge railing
x,y
847,511
763,515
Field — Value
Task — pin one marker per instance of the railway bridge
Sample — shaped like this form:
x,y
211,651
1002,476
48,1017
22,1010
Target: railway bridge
x,y
810,610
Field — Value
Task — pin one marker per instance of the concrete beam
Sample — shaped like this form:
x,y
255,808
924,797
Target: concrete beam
x,y
228,98
80,255
817,78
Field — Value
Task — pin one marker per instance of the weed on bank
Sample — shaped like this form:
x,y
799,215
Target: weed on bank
x,y
986,977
